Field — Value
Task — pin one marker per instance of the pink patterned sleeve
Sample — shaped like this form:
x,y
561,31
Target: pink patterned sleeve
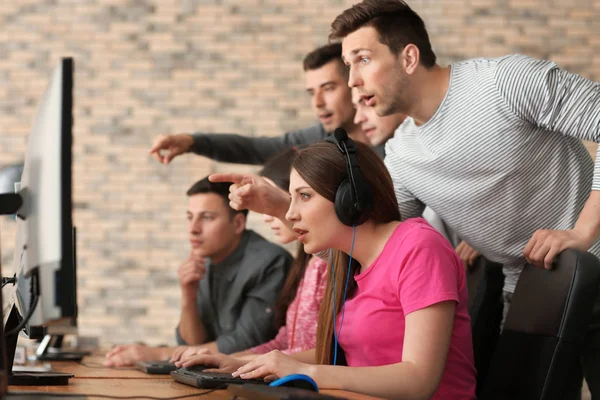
x,y
302,314
278,343
306,325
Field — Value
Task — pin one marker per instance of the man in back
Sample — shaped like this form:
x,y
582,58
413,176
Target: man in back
x,y
229,282
326,84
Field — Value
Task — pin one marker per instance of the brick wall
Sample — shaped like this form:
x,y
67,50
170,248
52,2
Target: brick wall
x,y
149,67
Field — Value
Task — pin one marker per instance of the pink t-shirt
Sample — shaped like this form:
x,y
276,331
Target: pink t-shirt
x,y
416,269
300,330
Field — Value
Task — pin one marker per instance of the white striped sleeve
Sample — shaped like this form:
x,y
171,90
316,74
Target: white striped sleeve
x,y
408,204
596,181
544,95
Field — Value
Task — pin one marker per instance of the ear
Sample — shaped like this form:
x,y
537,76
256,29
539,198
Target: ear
x,y
239,223
410,58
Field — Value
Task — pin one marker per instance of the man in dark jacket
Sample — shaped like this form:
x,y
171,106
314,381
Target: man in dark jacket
x,y
327,85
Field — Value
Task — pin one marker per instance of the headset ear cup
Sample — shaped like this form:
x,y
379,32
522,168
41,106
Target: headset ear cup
x,y
366,199
344,207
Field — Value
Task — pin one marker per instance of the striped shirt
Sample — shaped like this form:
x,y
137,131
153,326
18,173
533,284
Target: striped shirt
x,y
502,157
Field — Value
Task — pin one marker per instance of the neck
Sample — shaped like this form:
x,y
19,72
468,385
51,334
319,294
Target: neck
x,y
430,89
369,242
226,252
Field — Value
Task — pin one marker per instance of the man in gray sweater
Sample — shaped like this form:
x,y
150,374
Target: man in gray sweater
x,y
327,85
229,282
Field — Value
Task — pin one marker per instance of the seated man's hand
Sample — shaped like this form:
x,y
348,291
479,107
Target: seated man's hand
x,y
167,147
271,366
127,355
183,353
190,273
220,362
254,193
467,254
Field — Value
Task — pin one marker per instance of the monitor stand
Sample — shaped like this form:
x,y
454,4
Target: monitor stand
x,y
50,349
10,204
26,378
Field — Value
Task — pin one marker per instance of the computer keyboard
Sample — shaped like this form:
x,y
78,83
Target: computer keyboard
x,y
155,366
194,376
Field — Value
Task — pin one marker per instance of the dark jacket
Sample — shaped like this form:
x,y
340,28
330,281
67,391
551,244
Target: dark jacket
x,y
236,298
256,150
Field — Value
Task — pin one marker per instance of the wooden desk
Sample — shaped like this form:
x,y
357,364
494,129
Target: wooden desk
x,y
92,367
124,382
158,387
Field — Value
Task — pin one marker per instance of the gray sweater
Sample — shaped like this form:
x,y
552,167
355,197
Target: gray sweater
x,y
236,298
240,149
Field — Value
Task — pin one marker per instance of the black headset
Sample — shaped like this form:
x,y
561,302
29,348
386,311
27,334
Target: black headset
x,y
353,198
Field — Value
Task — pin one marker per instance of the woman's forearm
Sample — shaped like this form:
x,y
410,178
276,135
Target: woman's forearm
x,y
307,357
396,381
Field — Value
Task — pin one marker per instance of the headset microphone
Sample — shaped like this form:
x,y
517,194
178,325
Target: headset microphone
x,y
340,135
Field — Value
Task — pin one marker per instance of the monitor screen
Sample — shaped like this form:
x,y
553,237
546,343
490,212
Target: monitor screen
x,y
43,258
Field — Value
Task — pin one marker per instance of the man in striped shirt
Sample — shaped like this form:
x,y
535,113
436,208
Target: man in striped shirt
x,y
381,129
491,145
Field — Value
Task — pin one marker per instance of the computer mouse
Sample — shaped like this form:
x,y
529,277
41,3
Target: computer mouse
x,y
298,381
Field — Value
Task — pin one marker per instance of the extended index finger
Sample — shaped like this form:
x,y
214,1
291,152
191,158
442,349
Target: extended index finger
x,y
226,177
158,144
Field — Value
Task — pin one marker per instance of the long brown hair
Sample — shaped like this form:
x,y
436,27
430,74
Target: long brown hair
x,y
278,170
323,167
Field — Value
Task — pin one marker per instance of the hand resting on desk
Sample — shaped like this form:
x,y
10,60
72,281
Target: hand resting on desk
x,y
183,353
129,354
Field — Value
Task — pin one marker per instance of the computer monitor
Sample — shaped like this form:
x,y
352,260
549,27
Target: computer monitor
x,y
44,267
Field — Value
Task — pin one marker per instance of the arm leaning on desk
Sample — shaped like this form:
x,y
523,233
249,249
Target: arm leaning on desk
x,y
92,378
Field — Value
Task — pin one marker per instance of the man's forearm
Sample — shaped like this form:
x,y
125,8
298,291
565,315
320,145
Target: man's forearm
x,y
244,149
281,211
191,328
236,148
588,223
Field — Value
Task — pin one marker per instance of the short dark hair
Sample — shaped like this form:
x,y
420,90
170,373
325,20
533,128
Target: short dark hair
x,y
322,56
395,22
220,188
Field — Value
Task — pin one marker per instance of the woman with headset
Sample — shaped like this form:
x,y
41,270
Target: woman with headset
x,y
398,289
